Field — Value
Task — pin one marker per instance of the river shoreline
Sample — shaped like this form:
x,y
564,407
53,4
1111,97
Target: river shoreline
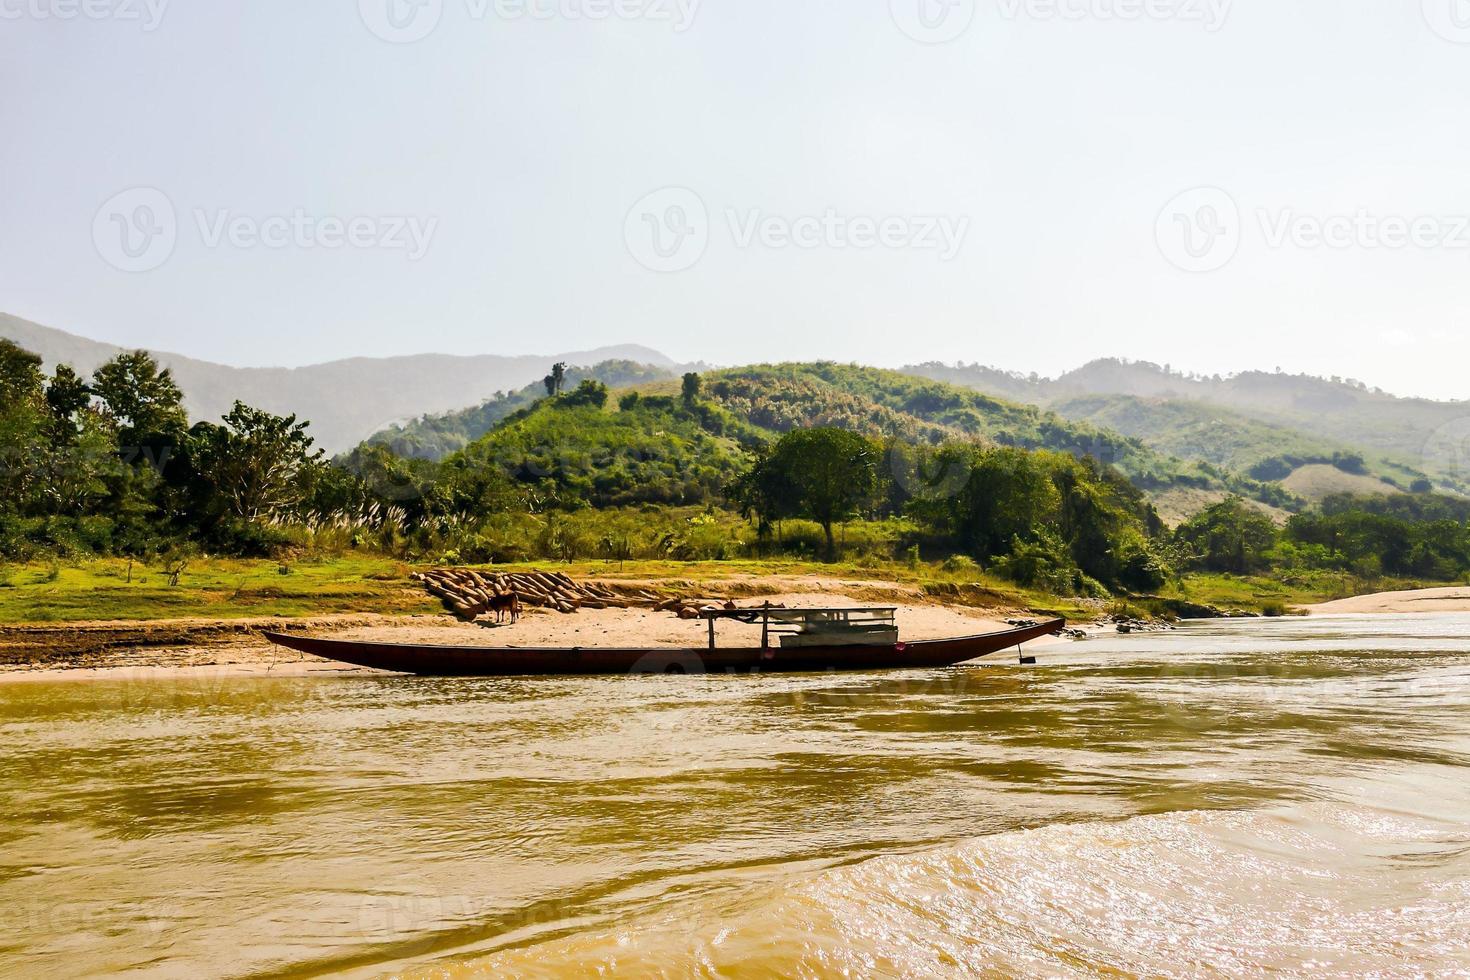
x,y
235,648
1446,600
165,649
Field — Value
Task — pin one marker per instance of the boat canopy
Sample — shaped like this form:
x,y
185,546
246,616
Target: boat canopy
x,y
810,626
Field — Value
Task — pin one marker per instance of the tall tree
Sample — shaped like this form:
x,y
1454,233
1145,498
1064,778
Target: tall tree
x,y
827,475
1009,495
142,398
22,426
689,388
556,380
255,462
20,374
1230,536
67,396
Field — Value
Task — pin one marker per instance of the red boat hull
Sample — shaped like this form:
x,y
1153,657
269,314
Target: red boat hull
x,y
475,661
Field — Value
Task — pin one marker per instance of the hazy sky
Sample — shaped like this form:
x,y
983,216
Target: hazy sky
x,y
1016,182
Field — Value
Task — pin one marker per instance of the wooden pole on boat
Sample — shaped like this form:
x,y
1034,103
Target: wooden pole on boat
x,y
766,626
711,632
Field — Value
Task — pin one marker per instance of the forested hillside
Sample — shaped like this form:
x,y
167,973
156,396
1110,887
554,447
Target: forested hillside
x,y
345,401
1243,417
578,450
889,403
796,460
778,398
436,436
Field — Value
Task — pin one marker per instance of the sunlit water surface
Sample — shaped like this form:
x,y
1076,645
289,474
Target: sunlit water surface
x,y
1283,796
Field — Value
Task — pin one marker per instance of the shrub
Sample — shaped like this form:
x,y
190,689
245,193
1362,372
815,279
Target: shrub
x,y
961,565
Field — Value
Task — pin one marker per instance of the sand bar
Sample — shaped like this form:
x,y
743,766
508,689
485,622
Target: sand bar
x,y
242,652
1449,600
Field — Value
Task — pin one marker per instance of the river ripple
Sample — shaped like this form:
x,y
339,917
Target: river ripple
x,y
1285,795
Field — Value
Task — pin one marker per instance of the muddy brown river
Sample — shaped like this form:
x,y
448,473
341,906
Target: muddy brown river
x,y
1288,796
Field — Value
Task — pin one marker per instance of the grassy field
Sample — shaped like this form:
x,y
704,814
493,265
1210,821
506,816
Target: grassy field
x,y
112,589
208,588
216,588
1277,596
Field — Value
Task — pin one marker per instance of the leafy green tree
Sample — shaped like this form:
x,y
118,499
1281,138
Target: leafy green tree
x,y
141,398
82,474
67,397
764,492
827,475
20,374
1043,561
1230,536
255,462
689,389
23,440
1009,495
1095,518
556,379
589,392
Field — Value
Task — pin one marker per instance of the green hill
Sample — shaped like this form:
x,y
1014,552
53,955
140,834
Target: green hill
x,y
877,402
436,436
582,448
1194,430
645,445
346,401
654,448
1296,419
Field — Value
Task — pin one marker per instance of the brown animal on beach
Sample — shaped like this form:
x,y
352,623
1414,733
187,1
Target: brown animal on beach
x,y
502,604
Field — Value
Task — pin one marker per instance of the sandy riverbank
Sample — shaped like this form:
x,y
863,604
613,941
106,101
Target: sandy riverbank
x,y
1448,600
238,649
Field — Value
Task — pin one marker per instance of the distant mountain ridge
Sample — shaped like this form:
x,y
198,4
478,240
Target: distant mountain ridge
x,y
346,401
1164,408
1257,425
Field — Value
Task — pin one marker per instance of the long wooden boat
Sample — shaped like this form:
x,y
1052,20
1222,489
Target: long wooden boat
x,y
479,661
